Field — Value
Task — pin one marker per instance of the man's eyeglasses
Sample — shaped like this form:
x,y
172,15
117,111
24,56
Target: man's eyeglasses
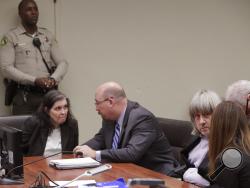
x,y
99,102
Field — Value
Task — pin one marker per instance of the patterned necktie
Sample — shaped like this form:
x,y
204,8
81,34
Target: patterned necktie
x,y
116,137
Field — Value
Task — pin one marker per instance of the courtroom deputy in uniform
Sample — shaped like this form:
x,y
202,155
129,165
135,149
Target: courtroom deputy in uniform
x,y
22,62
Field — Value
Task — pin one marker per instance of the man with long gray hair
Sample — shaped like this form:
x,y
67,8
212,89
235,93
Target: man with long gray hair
x,y
239,92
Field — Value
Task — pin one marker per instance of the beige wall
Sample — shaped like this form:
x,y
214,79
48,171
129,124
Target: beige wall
x,y
161,51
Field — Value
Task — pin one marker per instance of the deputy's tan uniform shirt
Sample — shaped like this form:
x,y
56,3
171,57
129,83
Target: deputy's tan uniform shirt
x,y
22,62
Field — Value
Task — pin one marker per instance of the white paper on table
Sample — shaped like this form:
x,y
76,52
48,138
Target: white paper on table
x,y
75,183
74,163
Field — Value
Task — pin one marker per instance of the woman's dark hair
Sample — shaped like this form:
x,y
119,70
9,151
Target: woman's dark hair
x,y
47,103
229,128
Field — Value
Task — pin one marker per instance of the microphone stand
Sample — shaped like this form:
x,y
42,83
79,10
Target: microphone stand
x,y
5,180
12,180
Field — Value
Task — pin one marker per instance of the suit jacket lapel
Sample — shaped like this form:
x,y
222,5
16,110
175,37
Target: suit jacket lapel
x,y
194,141
122,139
44,136
109,126
203,167
64,136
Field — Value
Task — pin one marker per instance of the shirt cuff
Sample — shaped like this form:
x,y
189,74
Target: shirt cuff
x,y
98,156
191,175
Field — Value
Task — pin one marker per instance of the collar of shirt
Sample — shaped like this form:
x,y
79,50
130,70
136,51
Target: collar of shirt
x,y
198,153
21,30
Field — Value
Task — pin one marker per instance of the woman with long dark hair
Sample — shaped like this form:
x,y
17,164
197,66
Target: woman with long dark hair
x,y
229,128
52,128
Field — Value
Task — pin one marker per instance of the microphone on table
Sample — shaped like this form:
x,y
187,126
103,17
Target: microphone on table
x,y
4,180
151,182
231,158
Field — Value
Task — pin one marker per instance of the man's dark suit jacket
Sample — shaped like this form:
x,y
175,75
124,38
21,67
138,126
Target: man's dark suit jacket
x,y
141,141
35,135
203,167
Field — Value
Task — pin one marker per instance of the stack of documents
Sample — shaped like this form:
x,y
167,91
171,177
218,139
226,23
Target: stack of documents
x,y
74,163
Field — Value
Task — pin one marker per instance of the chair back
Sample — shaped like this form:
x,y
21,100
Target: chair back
x,y
13,121
178,133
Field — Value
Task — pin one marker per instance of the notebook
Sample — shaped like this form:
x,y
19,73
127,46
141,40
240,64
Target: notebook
x,y
73,163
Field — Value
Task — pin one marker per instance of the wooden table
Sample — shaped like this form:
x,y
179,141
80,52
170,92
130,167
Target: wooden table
x,y
125,170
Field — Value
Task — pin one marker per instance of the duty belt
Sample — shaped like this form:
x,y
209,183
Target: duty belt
x,y
34,89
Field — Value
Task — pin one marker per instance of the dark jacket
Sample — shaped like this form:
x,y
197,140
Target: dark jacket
x,y
35,135
236,178
203,167
141,141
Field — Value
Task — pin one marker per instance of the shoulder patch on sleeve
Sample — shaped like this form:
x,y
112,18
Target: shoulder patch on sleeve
x,y
4,41
43,29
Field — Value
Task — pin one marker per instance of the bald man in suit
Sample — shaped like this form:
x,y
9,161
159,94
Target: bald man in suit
x,y
140,140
